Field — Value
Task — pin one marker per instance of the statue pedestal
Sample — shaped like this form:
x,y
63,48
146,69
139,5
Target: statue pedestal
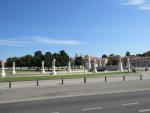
x,y
54,73
95,71
69,70
13,72
3,74
43,71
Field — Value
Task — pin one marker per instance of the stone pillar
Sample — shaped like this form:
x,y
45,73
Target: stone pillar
x,y
95,69
120,65
14,68
53,66
89,62
69,66
100,62
3,74
43,70
128,65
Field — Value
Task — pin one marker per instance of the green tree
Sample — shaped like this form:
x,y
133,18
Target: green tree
x,y
146,54
104,56
78,61
113,60
58,59
139,55
64,58
128,53
38,58
111,55
27,61
48,60
10,61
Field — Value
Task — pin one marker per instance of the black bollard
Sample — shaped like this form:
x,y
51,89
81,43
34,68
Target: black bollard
x,y
37,83
62,81
105,79
140,77
9,84
84,79
124,78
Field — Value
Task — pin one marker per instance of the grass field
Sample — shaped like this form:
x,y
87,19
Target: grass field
x,y
32,78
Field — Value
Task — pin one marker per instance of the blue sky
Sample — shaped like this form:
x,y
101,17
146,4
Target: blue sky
x,y
92,27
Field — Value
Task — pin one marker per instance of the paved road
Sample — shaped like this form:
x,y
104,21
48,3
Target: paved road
x,y
70,90
131,102
131,96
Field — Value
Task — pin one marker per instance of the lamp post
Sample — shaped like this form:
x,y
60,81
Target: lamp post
x,y
84,71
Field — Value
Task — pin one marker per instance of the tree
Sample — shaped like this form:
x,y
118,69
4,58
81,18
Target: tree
x,y
9,62
139,55
113,60
111,55
28,61
146,54
58,59
78,61
128,53
38,58
64,58
48,59
104,56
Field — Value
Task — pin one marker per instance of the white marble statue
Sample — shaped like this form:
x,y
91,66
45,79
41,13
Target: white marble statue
x,y
69,66
120,65
89,62
100,62
3,74
95,69
43,70
14,69
128,65
53,66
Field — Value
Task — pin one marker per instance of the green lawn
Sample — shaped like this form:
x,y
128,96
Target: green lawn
x,y
48,77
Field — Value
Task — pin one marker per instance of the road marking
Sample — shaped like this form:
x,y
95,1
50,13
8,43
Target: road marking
x,y
130,104
144,110
94,108
55,112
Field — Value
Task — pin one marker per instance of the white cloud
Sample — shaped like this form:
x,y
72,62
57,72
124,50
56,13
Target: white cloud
x,y
134,2
56,41
140,4
144,7
12,42
36,40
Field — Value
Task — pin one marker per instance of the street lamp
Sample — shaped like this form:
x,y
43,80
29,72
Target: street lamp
x,y
84,71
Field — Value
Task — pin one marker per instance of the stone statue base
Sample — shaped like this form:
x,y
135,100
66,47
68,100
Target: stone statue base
x,y
54,73
95,71
69,70
14,72
43,71
3,74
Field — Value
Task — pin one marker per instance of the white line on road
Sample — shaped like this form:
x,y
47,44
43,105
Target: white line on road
x,y
144,110
130,104
94,108
55,112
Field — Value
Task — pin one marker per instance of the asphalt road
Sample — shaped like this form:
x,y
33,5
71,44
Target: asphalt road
x,y
129,102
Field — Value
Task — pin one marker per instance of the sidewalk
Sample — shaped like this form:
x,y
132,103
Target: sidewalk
x,y
57,82
49,91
